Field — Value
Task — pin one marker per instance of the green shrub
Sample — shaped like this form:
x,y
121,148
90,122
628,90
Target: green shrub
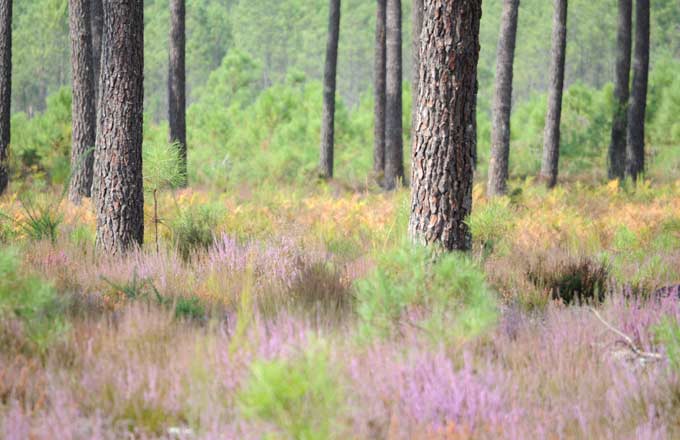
x,y
573,280
491,223
299,396
668,334
195,229
42,220
189,308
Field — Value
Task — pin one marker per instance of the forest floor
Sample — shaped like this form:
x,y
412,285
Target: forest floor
x,y
305,313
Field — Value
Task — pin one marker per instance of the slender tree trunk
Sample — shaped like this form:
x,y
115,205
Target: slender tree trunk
x,y
617,146
551,134
502,101
5,89
417,27
394,141
84,118
177,83
638,99
97,20
329,79
118,185
379,92
442,165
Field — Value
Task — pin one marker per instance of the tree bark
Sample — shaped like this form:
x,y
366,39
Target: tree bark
x,y
551,134
177,84
379,72
638,99
83,110
502,101
5,89
97,20
394,142
617,146
442,165
118,185
417,27
329,80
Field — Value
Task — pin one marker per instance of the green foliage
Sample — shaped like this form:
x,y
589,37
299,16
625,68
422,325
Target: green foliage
x,y
668,334
189,308
195,229
446,296
30,301
162,168
491,223
299,396
42,220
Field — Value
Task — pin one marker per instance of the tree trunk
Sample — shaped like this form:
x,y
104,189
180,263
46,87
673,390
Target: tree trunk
x,y
551,134
118,185
617,146
394,143
84,118
638,99
177,84
379,92
329,79
417,27
5,89
502,100
442,165
97,20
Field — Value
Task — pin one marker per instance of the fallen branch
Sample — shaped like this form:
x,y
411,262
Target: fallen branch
x,y
626,339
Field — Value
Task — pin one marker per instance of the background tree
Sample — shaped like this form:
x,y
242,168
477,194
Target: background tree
x,y
118,184
329,79
83,110
379,72
5,88
97,20
617,146
441,180
551,134
394,141
638,100
502,101
416,28
177,83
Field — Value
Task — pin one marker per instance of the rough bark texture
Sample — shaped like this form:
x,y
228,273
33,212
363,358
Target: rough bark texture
x,y
416,28
329,80
442,165
118,186
379,72
5,88
551,134
502,100
617,145
97,20
83,110
638,99
177,83
394,143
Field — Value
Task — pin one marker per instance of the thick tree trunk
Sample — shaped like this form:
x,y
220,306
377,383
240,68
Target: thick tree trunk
x,y
416,28
551,134
379,72
97,20
118,185
177,83
394,141
329,80
617,146
638,99
5,88
83,110
502,101
442,165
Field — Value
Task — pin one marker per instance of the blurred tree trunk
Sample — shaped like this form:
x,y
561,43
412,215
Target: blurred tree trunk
x,y
442,173
394,142
118,185
177,84
502,101
417,27
97,20
329,80
379,72
617,146
5,89
638,99
551,134
83,110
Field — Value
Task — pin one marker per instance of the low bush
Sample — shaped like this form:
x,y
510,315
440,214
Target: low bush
x,y
572,280
194,229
